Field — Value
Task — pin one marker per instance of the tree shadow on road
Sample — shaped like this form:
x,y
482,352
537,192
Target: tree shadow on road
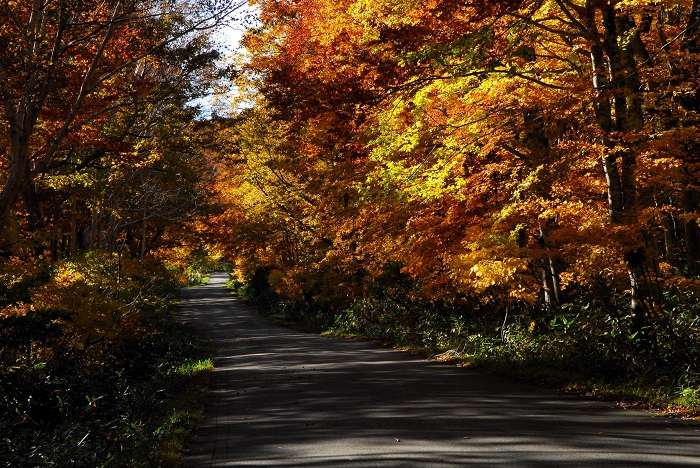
x,y
284,398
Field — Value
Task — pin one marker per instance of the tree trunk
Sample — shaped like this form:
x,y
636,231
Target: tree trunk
x,y
634,113
33,206
93,244
691,201
19,167
614,184
550,282
73,228
690,36
669,230
619,108
604,117
144,226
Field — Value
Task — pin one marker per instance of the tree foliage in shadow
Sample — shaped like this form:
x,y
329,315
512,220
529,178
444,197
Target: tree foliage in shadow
x,y
71,398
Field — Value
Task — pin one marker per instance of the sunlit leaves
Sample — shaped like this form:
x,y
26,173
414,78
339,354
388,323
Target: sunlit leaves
x,y
518,150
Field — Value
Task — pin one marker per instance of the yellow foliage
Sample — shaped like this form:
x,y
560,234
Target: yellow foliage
x,y
481,269
74,291
490,272
13,271
566,278
680,283
15,310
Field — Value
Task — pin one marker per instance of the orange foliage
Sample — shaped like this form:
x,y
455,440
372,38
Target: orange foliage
x,y
540,148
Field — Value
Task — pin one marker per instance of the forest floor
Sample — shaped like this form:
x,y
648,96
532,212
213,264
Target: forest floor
x,y
280,397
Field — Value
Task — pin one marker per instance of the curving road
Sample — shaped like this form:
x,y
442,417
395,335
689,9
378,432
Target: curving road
x,y
284,398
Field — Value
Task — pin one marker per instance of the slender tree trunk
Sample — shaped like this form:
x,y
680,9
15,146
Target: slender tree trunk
x,y
33,206
550,282
94,229
614,184
634,111
112,233
549,275
691,197
619,108
669,229
690,36
73,227
692,241
613,53
623,85
691,233
604,116
556,288
639,318
538,153
144,226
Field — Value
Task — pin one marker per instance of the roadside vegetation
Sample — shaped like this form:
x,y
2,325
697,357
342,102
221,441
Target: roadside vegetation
x,y
571,348
515,184
508,184
103,167
114,382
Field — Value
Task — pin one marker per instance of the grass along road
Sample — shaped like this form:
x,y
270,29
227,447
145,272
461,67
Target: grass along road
x,y
284,398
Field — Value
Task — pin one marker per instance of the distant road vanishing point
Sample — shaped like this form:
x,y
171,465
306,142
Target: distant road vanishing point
x,y
282,398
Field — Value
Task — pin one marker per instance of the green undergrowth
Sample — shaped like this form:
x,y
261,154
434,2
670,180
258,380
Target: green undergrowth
x,y
580,348
201,264
548,361
130,401
644,386
678,394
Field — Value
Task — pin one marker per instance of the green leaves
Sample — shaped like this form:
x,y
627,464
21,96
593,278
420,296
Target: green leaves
x,y
466,55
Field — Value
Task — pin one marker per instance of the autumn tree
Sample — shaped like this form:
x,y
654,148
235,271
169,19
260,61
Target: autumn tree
x,y
517,82
531,159
75,76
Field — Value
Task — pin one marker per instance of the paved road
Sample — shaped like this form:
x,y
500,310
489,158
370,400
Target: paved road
x,y
283,398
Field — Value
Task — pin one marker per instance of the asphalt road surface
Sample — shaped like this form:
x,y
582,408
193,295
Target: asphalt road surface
x,y
284,398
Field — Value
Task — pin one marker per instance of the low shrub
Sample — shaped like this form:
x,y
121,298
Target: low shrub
x,y
110,380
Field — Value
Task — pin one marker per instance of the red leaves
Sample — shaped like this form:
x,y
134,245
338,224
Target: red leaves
x,y
442,133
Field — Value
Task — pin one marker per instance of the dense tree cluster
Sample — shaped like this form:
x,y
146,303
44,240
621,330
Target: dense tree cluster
x,y
531,158
101,164
95,127
508,176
